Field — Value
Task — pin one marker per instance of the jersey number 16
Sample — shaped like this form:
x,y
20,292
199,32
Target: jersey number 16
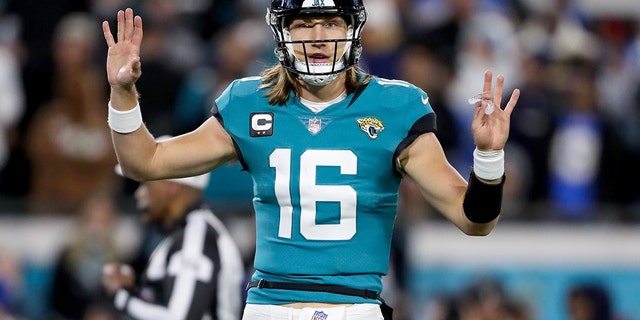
x,y
311,193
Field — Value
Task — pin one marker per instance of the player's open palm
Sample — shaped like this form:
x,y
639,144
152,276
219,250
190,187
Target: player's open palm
x,y
491,127
123,58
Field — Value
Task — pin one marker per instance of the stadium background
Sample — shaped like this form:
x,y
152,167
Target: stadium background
x,y
572,203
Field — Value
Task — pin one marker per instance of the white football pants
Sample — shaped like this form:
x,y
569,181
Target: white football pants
x,y
361,311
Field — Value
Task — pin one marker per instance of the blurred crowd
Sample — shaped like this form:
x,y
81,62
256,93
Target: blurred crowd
x,y
575,137
575,134
487,299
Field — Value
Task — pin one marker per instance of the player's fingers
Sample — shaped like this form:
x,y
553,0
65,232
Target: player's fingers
x,y
120,31
497,95
128,24
137,31
486,89
479,112
512,101
106,31
135,65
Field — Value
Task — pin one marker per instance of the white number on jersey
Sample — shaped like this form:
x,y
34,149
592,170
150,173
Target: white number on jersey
x,y
311,193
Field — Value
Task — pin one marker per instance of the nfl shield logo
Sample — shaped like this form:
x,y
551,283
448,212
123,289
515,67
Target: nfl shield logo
x,y
314,126
319,315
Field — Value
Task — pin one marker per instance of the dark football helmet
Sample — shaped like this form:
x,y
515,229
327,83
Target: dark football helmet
x,y
283,11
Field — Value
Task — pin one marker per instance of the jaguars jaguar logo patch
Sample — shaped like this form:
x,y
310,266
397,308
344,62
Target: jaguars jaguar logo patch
x,y
371,126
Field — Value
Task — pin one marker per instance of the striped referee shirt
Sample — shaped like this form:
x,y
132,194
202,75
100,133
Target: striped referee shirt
x,y
194,273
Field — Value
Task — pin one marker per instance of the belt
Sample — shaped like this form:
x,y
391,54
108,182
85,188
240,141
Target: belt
x,y
387,311
365,293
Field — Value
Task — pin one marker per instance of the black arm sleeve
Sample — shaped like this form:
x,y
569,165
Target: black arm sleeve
x,y
482,202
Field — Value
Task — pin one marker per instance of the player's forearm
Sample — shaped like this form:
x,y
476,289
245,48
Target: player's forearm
x,y
135,153
133,144
482,204
454,209
471,228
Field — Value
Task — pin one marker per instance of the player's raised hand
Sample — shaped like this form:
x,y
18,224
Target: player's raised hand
x,y
491,127
123,58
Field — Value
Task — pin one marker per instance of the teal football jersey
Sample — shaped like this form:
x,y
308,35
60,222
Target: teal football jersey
x,y
325,184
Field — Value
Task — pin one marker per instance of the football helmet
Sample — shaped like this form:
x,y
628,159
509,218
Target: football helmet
x,y
282,12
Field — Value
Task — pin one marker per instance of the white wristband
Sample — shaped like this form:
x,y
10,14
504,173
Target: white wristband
x,y
488,165
124,121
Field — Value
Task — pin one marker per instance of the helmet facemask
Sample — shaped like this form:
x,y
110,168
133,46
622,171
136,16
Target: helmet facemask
x,y
318,74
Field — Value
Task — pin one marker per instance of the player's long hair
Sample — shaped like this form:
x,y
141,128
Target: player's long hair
x,y
280,82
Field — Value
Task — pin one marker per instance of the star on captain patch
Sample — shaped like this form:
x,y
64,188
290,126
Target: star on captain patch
x,y
314,125
371,126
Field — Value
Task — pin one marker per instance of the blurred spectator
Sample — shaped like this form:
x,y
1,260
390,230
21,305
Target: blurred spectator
x,y
577,147
533,124
36,20
103,9
627,125
553,34
616,79
10,286
100,312
632,50
618,85
631,139
515,310
12,96
76,286
234,53
442,307
589,302
161,80
68,141
208,17
518,166
482,299
11,101
421,66
382,37
486,299
439,24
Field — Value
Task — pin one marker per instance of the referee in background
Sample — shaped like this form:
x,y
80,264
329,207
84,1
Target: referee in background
x,y
195,272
